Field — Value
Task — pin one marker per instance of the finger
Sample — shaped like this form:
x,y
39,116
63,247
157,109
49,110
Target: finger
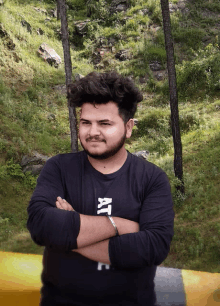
x,y
67,205
63,204
60,200
58,205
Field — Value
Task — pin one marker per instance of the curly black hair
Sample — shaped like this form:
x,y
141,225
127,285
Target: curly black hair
x,y
101,88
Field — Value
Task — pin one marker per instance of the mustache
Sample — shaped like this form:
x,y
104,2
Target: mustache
x,y
95,138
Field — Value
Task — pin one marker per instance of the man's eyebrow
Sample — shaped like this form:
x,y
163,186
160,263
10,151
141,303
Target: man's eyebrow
x,y
100,121
105,120
82,119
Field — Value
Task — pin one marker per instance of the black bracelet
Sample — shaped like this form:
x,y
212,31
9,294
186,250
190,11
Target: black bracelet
x,y
113,223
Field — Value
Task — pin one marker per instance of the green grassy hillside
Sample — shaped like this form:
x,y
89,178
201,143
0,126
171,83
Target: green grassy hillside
x,y
34,114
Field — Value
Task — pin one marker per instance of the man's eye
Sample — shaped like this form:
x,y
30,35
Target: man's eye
x,y
104,123
85,122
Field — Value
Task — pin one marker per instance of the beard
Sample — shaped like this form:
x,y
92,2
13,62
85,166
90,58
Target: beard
x,y
108,153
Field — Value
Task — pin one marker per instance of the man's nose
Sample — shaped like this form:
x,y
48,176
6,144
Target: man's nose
x,y
94,130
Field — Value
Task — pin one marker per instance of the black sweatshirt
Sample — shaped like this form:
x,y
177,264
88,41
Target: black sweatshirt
x,y
138,191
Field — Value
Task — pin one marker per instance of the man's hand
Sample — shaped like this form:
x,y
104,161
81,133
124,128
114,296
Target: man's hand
x,y
63,204
95,229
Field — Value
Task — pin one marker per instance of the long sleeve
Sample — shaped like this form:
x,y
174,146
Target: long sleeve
x,y
49,226
150,246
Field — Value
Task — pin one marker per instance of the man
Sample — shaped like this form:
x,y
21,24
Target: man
x,y
104,216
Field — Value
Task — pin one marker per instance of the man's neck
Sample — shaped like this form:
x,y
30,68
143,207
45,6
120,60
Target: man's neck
x,y
111,164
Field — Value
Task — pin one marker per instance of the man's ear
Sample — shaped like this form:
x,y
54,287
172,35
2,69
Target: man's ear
x,y
129,127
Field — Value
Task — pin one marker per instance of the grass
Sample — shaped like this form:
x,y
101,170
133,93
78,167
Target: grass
x,y
34,116
195,245
13,216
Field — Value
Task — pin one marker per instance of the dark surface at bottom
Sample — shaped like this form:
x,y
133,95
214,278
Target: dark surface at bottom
x,y
169,287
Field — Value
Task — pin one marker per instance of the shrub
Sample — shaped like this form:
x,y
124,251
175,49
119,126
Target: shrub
x,y
155,10
134,9
76,5
190,36
98,9
14,170
131,24
156,53
201,73
188,121
152,52
155,125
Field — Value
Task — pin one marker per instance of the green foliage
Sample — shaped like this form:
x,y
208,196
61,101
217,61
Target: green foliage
x,y
29,180
155,10
203,253
144,21
201,73
154,129
76,5
3,221
14,170
131,24
11,170
3,90
156,119
134,9
98,9
189,121
155,53
210,5
191,36
77,10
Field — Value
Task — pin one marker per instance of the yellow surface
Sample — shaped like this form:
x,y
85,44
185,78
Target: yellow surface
x,y
20,281
202,288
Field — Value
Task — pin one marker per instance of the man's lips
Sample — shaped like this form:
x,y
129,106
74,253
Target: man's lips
x,y
95,140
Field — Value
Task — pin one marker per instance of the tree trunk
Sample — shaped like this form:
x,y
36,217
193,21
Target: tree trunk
x,y
178,166
68,71
58,10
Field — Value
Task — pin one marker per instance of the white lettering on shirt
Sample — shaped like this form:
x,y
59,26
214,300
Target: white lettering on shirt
x,y
104,210
100,265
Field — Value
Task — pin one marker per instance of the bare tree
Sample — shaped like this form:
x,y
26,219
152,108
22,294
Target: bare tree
x,y
68,71
58,10
178,166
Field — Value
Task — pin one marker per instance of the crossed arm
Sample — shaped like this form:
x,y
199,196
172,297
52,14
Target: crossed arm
x,y
95,231
94,236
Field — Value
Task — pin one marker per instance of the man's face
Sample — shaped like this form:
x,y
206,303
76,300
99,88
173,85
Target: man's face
x,y
102,132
